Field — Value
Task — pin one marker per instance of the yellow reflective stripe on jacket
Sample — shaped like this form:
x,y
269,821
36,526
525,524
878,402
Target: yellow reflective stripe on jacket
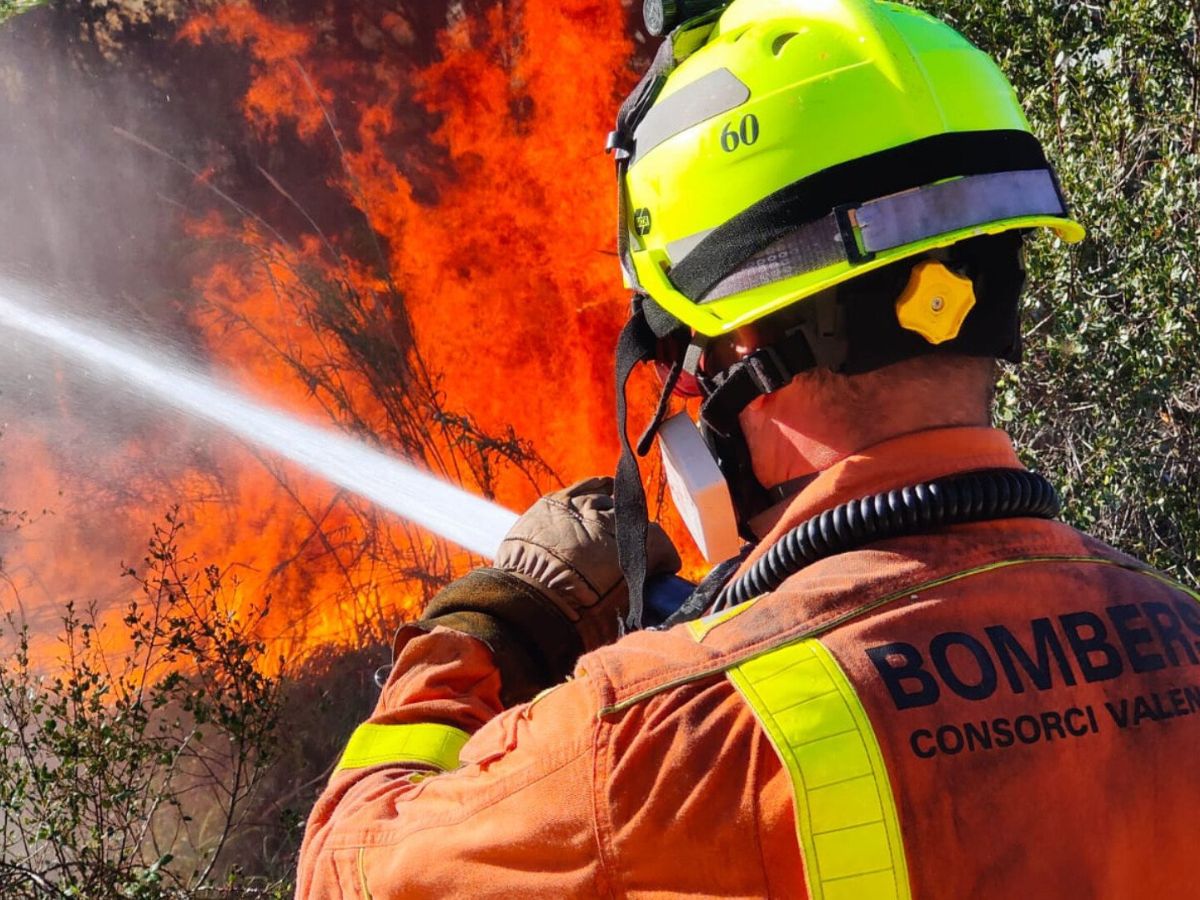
x,y
845,814
429,744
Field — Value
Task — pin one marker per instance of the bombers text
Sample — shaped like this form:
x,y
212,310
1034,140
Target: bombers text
x,y
1047,652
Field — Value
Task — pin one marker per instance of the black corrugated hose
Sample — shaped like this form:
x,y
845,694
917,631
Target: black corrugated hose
x,y
916,509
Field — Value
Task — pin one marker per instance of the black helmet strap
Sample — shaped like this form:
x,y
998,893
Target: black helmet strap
x,y
648,324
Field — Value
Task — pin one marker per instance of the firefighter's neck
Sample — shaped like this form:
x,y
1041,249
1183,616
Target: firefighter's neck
x,y
821,418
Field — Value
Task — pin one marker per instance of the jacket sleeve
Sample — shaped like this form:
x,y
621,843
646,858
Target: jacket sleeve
x,y
441,793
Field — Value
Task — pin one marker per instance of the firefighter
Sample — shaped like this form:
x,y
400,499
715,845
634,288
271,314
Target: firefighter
x,y
910,680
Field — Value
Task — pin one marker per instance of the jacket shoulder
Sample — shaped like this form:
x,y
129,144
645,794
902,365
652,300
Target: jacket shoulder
x,y
832,592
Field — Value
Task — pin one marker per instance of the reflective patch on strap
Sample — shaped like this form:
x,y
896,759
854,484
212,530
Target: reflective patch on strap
x,y
427,744
890,222
846,817
912,216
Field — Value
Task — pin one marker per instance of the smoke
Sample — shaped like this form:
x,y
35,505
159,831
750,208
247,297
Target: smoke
x,y
82,206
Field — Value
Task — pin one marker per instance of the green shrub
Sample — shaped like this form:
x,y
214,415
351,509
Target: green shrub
x,y
10,8
1107,403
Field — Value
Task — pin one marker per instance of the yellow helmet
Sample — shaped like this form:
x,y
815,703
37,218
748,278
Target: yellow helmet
x,y
780,147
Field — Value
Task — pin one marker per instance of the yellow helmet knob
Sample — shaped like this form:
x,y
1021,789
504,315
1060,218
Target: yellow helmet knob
x,y
935,303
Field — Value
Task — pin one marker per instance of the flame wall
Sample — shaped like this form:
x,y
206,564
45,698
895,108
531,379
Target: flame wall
x,y
461,308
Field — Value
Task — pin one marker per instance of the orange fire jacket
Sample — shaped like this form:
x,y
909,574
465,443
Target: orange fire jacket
x,y
1004,708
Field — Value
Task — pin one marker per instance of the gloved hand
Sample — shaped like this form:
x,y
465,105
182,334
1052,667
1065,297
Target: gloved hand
x,y
556,589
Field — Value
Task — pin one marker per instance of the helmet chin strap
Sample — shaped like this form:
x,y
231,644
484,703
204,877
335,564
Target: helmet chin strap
x,y
761,372
637,344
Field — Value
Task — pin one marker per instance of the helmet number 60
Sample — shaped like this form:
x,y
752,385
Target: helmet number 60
x,y
745,133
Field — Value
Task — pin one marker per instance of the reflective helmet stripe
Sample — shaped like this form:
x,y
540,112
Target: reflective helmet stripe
x,y
846,816
717,92
678,46
859,232
425,744
935,209
851,183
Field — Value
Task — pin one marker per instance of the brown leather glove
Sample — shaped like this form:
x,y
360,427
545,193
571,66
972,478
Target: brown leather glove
x,y
556,589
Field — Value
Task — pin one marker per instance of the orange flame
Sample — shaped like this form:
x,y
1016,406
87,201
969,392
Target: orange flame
x,y
499,303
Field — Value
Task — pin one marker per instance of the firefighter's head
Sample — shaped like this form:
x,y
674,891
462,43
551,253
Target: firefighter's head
x,y
835,186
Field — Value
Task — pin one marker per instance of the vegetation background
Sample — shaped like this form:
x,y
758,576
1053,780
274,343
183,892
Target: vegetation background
x,y
180,769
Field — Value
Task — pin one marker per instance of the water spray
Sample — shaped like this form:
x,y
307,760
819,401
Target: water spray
x,y
450,512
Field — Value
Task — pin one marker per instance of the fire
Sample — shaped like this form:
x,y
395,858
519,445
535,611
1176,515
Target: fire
x,y
509,278
467,322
